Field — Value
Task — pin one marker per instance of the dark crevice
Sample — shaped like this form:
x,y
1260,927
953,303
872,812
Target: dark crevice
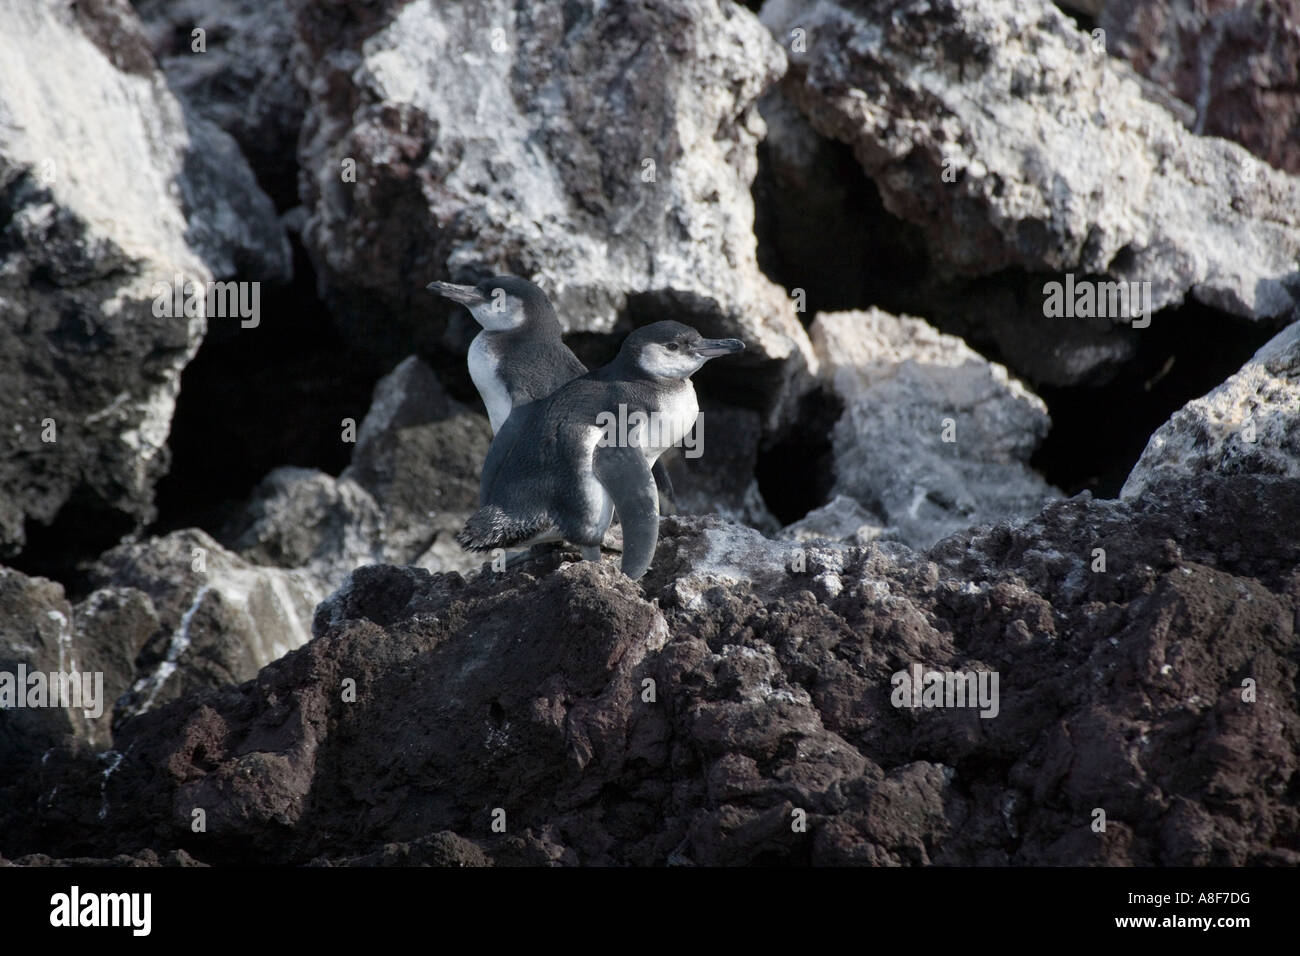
x,y
796,472
1086,22
1099,432
64,549
836,241
258,398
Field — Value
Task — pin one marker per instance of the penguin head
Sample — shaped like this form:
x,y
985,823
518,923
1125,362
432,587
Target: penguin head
x,y
673,350
501,303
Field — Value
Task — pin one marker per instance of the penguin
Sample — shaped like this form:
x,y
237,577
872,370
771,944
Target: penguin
x,y
560,466
520,356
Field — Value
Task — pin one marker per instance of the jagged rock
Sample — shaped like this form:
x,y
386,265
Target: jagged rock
x,y
840,519
934,437
606,152
419,453
694,720
412,483
168,616
36,635
243,80
1237,64
1248,425
222,618
833,239
86,652
1017,148
101,198
304,518
441,849
738,704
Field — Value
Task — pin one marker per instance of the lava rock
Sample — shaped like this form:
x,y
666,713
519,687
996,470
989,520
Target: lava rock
x,y
841,519
101,199
222,619
934,437
747,700
1236,64
1248,425
605,152
742,707
969,119
832,239
411,485
304,518
242,80
35,634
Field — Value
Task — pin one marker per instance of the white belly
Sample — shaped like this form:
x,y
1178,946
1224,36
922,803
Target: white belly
x,y
674,419
483,370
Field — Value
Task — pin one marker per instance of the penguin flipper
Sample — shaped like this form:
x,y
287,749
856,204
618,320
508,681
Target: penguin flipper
x,y
623,473
667,497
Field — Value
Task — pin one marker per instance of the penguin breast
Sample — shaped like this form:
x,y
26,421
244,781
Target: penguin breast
x,y
676,416
485,370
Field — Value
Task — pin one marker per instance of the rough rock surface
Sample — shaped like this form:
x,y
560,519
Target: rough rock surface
x,y
1237,63
605,151
220,618
841,519
335,683
825,234
37,632
1014,145
304,518
86,231
1248,425
750,679
933,438
411,484
143,858
166,617
243,80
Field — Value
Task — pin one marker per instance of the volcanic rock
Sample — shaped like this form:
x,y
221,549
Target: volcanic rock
x,y
104,200
605,152
1248,425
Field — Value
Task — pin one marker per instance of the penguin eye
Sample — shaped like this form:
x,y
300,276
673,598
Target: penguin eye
x,y
671,346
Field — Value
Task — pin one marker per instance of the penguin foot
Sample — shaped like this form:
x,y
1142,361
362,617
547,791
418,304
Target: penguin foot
x,y
535,551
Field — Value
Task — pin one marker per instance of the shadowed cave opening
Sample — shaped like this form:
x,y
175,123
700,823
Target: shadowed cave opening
x,y
1099,432
840,244
255,399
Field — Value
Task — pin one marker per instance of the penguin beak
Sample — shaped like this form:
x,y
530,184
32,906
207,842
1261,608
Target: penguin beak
x,y
464,294
711,348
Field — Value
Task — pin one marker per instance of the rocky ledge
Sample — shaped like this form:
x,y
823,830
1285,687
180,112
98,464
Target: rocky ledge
x,y
743,707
